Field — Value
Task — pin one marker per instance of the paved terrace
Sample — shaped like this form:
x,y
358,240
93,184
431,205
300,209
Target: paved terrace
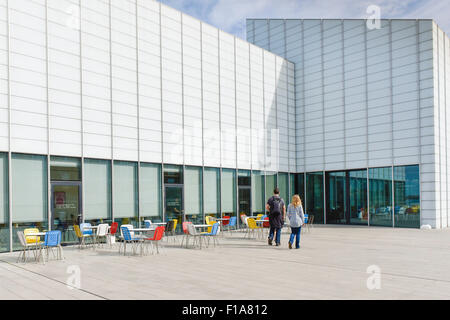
x,y
331,264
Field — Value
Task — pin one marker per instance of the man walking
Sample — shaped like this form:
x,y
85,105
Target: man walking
x,y
277,212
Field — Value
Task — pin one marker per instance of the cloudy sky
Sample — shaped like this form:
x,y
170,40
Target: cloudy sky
x,y
230,15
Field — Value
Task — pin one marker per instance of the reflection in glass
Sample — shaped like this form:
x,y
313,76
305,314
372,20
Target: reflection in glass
x,y
228,191
258,202
407,196
4,200
174,204
193,195
244,178
283,186
271,183
173,174
292,185
125,193
300,186
314,192
358,197
65,209
29,194
211,191
150,192
65,169
380,191
336,197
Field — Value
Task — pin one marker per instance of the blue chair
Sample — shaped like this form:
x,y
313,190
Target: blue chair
x,y
87,231
212,234
232,224
128,238
53,241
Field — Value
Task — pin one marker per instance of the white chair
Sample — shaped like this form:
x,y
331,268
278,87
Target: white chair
x,y
27,247
102,232
194,234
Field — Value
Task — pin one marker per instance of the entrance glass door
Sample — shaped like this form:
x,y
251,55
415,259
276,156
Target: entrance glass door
x,y
174,204
65,209
244,200
346,197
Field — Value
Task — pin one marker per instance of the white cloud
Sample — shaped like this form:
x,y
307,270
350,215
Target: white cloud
x,y
231,15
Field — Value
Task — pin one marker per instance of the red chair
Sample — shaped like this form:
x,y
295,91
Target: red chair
x,y
185,231
112,231
157,236
225,222
266,224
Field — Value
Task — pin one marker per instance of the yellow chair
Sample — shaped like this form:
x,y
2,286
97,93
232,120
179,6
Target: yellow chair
x,y
211,222
252,226
207,219
259,216
175,222
80,235
32,239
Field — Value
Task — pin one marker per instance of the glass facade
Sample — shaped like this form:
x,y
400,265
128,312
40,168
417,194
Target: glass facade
x,y
211,191
314,196
4,203
228,192
357,197
150,192
283,186
193,194
407,196
258,203
125,195
380,190
271,183
129,194
29,194
336,188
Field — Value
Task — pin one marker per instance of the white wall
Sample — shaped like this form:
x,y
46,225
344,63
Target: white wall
x,y
364,98
137,80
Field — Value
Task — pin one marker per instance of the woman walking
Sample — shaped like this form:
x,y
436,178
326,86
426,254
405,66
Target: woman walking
x,y
296,220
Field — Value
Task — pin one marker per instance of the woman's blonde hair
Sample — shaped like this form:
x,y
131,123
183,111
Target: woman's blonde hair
x,y
296,201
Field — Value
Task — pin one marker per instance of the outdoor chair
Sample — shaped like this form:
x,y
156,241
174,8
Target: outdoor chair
x,y
252,227
232,224
128,238
81,237
156,239
130,228
185,232
31,239
102,232
27,247
53,241
213,234
111,236
197,237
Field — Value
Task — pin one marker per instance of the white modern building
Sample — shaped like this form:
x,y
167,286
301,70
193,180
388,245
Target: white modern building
x,y
125,110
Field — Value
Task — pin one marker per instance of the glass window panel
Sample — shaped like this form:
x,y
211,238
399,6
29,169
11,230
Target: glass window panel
x,y
193,194
358,197
4,200
380,192
336,197
173,174
283,186
29,193
97,190
211,180
228,191
300,186
244,178
65,169
271,182
150,192
314,194
258,202
125,192
407,196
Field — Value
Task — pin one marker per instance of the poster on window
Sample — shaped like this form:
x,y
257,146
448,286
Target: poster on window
x,y
60,199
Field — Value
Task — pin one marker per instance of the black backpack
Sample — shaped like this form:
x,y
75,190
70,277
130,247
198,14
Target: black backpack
x,y
275,209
